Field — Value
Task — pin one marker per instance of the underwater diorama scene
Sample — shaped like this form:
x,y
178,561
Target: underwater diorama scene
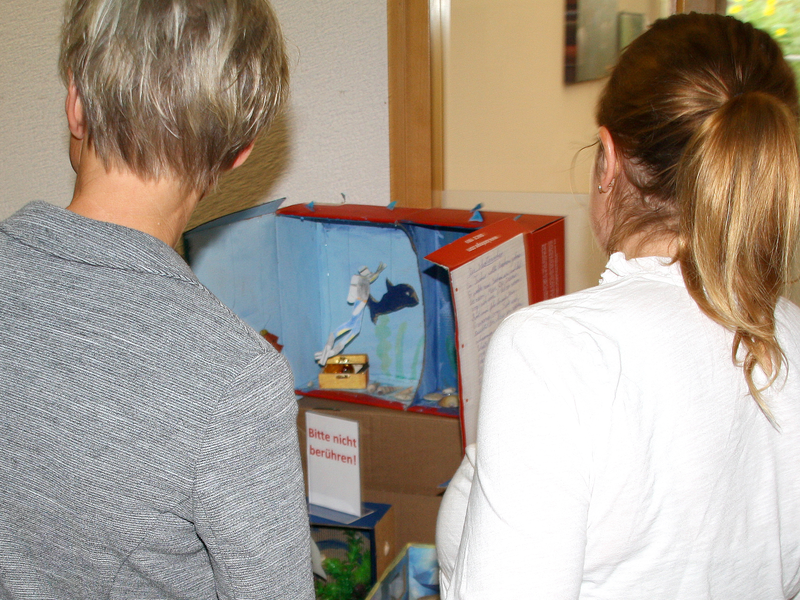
x,y
322,290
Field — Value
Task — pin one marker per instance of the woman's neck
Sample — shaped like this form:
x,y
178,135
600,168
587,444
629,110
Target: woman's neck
x,y
641,245
160,208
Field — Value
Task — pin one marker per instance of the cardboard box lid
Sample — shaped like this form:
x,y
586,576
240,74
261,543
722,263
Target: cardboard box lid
x,y
491,276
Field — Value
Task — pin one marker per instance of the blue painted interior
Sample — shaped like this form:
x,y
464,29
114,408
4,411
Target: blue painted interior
x,y
291,276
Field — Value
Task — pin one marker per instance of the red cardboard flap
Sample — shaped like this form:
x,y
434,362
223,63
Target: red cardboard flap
x,y
449,217
472,245
350,212
489,279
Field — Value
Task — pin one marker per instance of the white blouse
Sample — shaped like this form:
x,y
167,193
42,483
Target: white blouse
x,y
620,455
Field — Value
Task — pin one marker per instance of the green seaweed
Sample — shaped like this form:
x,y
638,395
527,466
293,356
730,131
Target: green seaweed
x,y
398,351
417,355
383,350
348,579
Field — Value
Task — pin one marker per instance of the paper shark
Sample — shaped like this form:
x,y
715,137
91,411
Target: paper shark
x,y
396,298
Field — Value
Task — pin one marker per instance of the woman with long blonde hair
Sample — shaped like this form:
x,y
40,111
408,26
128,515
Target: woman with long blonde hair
x,y
641,439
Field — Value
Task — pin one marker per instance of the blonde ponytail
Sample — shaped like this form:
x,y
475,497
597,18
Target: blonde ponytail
x,y
737,191
703,111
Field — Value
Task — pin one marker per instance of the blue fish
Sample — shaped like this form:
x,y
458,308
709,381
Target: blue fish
x,y
396,298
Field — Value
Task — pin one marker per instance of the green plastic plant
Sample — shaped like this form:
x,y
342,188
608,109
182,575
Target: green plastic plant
x,y
348,579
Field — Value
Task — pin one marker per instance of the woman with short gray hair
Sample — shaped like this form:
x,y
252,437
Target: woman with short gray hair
x,y
149,435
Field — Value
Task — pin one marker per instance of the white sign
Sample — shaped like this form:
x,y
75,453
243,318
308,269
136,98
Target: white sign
x,y
334,466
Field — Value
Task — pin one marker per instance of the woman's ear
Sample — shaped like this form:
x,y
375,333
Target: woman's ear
x,y
77,124
74,110
242,156
609,164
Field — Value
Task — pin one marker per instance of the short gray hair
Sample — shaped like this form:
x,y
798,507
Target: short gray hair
x,y
174,87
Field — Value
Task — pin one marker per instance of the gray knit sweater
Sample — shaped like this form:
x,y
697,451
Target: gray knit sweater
x,y
148,446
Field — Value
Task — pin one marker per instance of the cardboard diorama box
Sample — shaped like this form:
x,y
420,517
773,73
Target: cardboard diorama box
x,y
416,293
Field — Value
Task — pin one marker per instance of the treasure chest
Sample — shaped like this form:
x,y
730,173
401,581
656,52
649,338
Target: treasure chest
x,y
345,372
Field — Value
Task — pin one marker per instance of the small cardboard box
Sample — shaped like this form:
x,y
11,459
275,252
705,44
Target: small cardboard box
x,y
413,575
374,533
405,458
296,272
345,372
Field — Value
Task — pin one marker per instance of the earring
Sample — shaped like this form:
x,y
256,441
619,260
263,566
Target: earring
x,y
608,189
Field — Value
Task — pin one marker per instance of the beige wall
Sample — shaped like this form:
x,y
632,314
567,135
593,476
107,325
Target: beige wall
x,y
33,131
510,123
513,131
512,128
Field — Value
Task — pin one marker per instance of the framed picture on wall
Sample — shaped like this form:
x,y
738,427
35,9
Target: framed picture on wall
x,y
629,27
591,39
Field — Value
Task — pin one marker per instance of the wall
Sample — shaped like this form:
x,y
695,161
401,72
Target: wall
x,y
514,132
333,140
510,123
33,132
